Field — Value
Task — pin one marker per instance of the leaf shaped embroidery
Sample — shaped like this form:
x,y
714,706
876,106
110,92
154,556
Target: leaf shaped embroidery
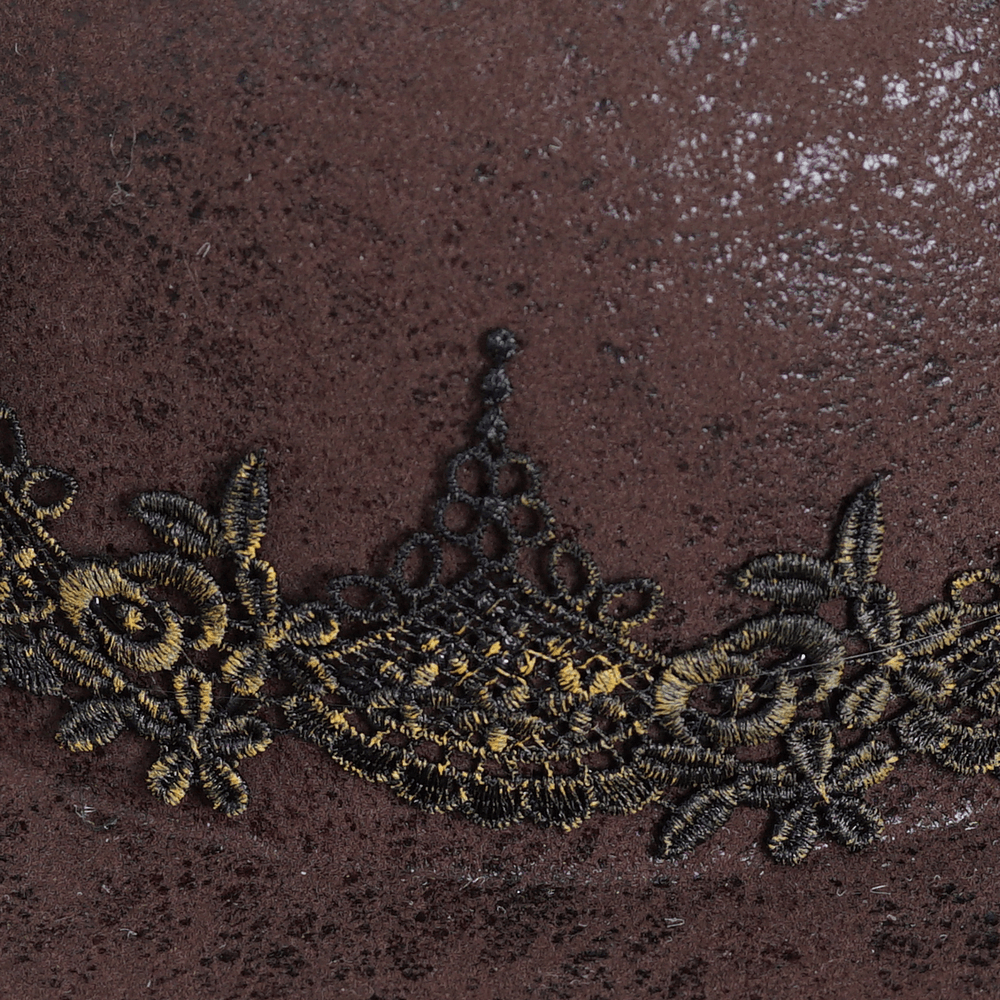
x,y
865,765
90,724
927,681
694,820
789,579
865,700
23,666
877,614
810,747
10,431
238,736
244,509
179,522
965,749
509,687
854,823
170,777
794,834
858,549
223,786
931,630
923,730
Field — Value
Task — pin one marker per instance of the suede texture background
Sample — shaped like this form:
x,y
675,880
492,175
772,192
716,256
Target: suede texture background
x,y
750,251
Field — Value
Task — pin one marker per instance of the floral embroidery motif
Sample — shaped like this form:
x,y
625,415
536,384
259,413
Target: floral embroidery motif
x,y
161,650
491,671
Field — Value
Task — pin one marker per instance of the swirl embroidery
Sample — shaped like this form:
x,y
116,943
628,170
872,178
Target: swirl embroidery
x,y
491,671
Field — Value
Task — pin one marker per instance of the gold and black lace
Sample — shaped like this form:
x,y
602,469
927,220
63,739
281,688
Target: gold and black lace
x,y
491,671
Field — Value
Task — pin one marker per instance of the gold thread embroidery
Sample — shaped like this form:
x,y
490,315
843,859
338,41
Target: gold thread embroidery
x,y
491,671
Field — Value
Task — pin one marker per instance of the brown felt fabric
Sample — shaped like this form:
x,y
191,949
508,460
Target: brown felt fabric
x,y
750,250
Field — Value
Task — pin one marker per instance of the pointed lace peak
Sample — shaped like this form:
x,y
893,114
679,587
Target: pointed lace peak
x,y
492,672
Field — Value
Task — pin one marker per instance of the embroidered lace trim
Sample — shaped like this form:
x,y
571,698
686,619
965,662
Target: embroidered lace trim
x,y
491,671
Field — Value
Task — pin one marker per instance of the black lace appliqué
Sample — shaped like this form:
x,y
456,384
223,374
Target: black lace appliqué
x,y
491,671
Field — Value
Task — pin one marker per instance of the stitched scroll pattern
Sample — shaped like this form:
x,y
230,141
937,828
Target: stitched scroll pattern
x,y
491,671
